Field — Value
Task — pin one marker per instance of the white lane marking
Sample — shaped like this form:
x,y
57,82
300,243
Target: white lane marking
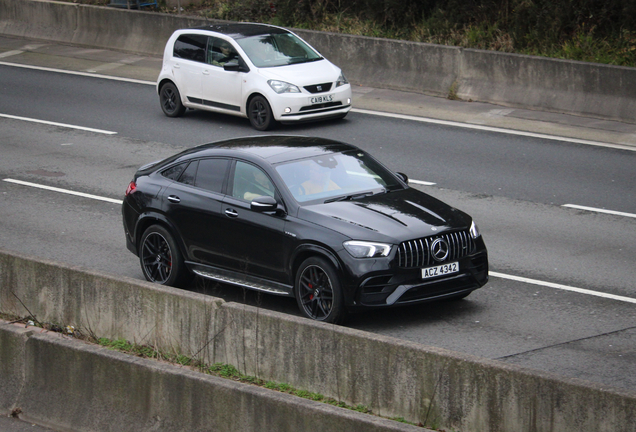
x,y
86,74
69,126
494,129
563,287
495,274
10,53
66,191
598,210
420,182
363,111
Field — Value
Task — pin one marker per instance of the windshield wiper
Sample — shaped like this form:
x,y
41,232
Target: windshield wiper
x,y
303,60
353,196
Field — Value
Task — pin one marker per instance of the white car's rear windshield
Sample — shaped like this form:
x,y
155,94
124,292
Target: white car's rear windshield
x,y
277,50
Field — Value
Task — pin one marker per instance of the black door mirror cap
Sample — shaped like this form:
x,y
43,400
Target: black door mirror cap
x,y
403,177
264,204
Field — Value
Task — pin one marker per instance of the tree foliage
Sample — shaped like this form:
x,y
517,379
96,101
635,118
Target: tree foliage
x,y
602,31
591,30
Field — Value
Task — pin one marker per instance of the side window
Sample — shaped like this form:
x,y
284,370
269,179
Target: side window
x,y
174,172
189,174
220,52
191,47
211,174
250,182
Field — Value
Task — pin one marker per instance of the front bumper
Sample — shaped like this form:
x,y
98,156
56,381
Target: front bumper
x,y
301,107
403,286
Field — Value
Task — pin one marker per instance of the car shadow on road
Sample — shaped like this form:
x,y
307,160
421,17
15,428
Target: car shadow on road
x,y
241,126
416,315
403,316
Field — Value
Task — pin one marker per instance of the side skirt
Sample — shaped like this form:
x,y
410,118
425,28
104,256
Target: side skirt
x,y
240,279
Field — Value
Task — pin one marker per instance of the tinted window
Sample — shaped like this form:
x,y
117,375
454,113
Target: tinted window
x,y
174,172
211,174
191,47
189,174
251,182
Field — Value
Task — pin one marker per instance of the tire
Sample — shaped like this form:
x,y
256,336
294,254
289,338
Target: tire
x,y
160,258
170,100
260,114
319,291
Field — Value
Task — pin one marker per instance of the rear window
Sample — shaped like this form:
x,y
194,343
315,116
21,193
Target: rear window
x,y
191,47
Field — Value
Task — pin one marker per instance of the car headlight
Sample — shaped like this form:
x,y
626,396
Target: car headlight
x,y
474,231
341,80
283,87
362,249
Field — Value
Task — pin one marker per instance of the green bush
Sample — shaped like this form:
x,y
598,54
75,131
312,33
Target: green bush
x,y
602,31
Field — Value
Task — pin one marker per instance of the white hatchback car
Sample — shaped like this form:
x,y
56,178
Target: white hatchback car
x,y
262,72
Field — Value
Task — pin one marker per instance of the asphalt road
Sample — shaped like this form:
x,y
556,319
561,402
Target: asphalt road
x,y
11,424
514,186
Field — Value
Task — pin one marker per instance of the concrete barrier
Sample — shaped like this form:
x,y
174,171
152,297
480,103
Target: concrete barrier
x,y
393,378
69,385
571,87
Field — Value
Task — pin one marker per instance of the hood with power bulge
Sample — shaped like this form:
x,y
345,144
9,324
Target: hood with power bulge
x,y
387,217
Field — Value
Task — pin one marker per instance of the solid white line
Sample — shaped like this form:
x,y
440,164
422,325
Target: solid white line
x,y
420,182
66,191
598,210
32,120
493,129
85,74
563,287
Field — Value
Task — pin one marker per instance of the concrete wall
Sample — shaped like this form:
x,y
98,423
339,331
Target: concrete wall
x,y
507,79
72,386
392,377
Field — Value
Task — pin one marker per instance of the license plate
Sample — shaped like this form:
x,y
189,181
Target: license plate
x,y
321,99
440,270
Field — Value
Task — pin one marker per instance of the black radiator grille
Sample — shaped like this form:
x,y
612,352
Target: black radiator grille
x,y
318,88
417,253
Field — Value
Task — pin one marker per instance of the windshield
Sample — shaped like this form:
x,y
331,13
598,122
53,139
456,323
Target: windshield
x,y
336,176
277,50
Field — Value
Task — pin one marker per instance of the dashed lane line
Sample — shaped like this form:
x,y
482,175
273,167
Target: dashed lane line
x,y
563,287
492,273
598,210
370,112
64,125
65,191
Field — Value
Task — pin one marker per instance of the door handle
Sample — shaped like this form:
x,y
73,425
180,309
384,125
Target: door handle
x,y
206,72
231,212
174,199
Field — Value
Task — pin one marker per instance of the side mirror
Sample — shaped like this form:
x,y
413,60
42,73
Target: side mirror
x,y
264,204
236,65
232,66
403,177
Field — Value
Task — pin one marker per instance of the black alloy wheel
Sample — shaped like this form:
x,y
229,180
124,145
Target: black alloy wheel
x,y
318,291
260,114
171,101
160,258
